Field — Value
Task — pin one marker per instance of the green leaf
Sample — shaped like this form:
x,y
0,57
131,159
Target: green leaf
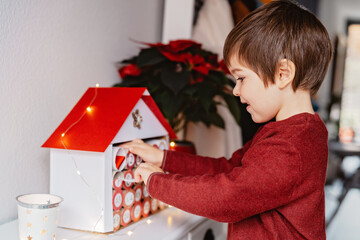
x,y
149,56
213,118
233,105
132,81
206,95
169,105
216,119
175,81
129,60
191,90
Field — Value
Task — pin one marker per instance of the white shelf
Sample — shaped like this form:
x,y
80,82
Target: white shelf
x,y
168,224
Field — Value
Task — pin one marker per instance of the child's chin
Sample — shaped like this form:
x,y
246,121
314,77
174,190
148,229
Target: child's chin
x,y
257,119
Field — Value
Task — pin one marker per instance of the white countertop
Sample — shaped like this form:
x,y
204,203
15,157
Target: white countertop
x,y
168,224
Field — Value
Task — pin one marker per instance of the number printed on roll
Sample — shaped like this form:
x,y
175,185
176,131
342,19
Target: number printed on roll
x,y
118,199
138,160
130,160
138,193
129,198
136,212
128,175
154,205
116,220
118,180
146,207
125,214
145,193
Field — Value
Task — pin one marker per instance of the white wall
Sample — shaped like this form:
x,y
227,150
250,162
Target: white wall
x,y
50,53
333,14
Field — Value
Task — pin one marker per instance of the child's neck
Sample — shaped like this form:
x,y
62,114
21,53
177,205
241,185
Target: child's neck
x,y
295,103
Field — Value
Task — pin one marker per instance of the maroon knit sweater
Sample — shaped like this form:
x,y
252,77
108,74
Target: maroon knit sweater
x,y
272,188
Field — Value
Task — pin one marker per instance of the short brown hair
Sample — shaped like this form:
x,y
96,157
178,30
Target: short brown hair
x,y
282,30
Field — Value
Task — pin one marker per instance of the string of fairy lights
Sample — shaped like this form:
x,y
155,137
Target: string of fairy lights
x,y
88,110
78,172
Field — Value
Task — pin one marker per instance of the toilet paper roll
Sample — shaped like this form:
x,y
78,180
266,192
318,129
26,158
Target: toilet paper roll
x,y
118,180
146,206
119,158
145,193
160,143
138,161
138,193
154,205
129,198
162,205
116,220
125,216
129,174
118,199
136,211
130,160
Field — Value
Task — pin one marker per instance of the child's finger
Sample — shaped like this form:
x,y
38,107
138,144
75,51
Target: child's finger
x,y
137,175
138,140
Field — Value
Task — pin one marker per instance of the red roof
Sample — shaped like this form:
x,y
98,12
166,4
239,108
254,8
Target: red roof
x,y
96,129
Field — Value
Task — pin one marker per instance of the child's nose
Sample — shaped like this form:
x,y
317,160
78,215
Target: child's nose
x,y
236,90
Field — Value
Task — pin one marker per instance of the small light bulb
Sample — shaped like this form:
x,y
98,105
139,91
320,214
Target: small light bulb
x,y
88,109
130,233
148,221
102,212
63,134
78,172
172,144
97,85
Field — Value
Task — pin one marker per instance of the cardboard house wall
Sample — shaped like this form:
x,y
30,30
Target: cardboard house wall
x,y
81,160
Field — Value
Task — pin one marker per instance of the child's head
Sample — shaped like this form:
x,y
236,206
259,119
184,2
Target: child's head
x,y
281,30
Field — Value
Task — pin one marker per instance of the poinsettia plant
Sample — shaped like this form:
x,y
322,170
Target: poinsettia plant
x,y
186,82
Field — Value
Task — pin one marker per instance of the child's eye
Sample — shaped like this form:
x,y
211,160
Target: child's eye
x,y
241,78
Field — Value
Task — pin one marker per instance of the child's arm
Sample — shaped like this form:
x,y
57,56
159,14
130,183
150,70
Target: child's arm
x,y
266,180
190,165
184,163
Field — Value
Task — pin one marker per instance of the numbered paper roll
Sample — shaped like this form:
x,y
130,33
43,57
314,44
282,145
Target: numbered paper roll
x,y
119,158
129,198
146,207
125,216
130,160
116,220
136,211
128,175
138,193
118,179
162,205
118,199
145,193
162,145
159,143
154,205
138,160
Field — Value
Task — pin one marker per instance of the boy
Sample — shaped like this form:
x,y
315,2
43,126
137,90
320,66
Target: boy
x,y
273,187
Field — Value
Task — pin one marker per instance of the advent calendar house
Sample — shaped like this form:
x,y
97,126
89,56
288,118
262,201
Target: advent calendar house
x,y
82,151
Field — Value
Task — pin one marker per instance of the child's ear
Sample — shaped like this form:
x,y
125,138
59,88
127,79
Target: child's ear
x,y
285,73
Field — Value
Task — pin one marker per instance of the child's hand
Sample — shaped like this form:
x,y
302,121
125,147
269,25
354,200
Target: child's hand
x,y
144,170
147,152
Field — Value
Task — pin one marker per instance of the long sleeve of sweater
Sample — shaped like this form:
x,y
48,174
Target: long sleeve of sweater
x,y
189,165
264,179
